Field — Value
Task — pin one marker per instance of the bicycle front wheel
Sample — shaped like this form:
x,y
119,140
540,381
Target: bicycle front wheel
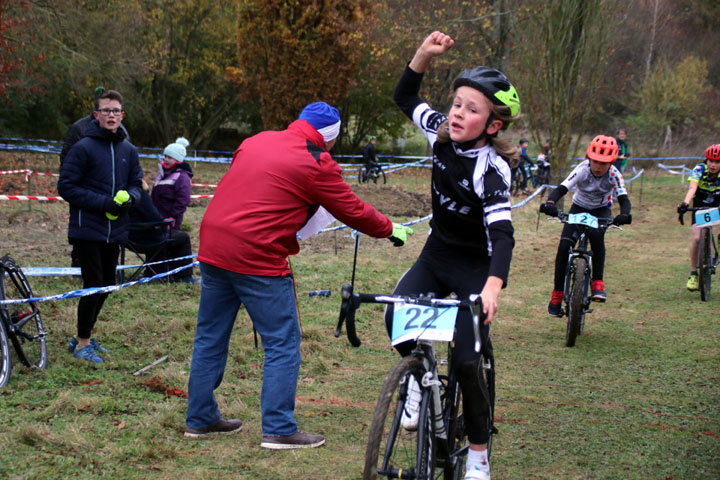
x,y
392,451
576,302
704,264
5,362
381,176
23,320
362,176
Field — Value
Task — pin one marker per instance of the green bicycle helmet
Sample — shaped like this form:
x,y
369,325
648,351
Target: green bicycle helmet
x,y
493,84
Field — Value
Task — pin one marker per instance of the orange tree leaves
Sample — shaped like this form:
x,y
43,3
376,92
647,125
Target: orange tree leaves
x,y
291,53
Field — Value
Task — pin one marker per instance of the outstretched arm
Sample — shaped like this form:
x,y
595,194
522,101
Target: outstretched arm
x,y
434,45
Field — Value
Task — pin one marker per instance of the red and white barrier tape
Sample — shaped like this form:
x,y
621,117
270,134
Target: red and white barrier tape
x,y
31,197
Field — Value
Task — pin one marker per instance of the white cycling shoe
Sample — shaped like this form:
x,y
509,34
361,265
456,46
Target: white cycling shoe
x,y
411,412
474,473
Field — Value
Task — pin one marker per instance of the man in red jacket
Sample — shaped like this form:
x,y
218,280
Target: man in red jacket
x,y
276,182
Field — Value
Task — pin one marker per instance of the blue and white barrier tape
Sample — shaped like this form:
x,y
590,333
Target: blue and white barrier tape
x,y
94,290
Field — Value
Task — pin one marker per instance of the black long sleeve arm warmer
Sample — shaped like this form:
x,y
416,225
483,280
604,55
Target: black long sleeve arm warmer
x,y
558,193
407,91
625,205
501,236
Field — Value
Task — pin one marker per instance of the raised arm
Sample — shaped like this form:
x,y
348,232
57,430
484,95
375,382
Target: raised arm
x,y
434,45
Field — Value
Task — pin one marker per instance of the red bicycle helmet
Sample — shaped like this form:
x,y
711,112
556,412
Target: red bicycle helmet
x,y
603,149
713,152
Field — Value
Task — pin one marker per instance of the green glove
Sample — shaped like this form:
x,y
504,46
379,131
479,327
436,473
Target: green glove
x,y
399,234
120,198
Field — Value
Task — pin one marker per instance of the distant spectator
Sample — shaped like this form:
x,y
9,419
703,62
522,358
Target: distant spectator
x,y
624,152
171,192
144,211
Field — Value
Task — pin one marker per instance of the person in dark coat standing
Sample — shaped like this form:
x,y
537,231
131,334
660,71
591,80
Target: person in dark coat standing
x,y
100,178
171,192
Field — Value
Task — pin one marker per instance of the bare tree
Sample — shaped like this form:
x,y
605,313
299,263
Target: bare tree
x,y
563,47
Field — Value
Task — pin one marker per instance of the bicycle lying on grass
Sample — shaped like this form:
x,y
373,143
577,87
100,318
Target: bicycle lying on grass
x,y
578,273
437,449
373,175
707,254
20,323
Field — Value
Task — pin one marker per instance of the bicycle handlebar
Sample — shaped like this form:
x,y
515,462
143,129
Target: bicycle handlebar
x,y
689,209
351,301
605,223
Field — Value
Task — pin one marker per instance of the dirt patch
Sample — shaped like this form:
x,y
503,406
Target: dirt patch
x,y
394,201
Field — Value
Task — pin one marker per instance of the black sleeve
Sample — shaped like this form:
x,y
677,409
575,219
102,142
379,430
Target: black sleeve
x,y
558,193
503,241
407,91
74,133
625,205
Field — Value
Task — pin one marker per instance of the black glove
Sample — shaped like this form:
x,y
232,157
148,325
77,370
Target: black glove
x,y
622,219
115,209
549,208
682,208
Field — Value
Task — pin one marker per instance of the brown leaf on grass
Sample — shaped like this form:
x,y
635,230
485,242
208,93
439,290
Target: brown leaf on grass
x,y
121,425
156,384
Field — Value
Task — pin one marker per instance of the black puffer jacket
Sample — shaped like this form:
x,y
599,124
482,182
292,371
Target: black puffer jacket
x,y
95,168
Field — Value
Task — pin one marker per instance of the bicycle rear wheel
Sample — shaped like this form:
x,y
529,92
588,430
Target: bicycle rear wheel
x,y
576,301
23,320
392,451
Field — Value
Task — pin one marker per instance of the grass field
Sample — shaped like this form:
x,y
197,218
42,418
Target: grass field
x,y
636,398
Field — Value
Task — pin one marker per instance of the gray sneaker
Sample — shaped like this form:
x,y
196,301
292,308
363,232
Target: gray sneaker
x,y
223,427
296,440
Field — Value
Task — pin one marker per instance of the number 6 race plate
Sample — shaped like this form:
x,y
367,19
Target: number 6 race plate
x,y
707,217
413,322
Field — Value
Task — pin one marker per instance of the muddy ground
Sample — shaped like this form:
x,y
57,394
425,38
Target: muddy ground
x,y
34,233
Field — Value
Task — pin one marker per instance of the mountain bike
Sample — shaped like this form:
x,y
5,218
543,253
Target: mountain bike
x,y
578,273
374,174
20,323
707,255
437,449
516,188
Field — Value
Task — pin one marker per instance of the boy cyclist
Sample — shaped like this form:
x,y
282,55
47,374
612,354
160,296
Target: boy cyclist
x,y
704,191
597,181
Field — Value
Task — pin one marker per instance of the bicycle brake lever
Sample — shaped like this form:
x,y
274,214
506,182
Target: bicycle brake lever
x,y
347,313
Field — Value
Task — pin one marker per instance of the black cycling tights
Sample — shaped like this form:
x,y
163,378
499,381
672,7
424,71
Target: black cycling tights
x,y
569,237
441,270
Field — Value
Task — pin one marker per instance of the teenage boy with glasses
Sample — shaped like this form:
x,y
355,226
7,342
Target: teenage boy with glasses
x,y
100,178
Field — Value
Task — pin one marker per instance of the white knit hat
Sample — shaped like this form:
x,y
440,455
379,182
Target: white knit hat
x,y
177,150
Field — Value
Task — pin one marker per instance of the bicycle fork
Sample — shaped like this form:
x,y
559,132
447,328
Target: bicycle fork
x,y
431,380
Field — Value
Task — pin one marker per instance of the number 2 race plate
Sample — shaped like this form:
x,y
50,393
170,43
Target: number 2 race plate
x,y
413,322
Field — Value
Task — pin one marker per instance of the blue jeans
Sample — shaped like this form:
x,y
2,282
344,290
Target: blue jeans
x,y
270,302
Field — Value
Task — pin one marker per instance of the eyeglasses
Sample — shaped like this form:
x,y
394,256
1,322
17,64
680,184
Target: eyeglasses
x,y
108,111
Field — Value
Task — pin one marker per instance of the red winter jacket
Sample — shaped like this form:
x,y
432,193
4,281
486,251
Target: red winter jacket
x,y
274,185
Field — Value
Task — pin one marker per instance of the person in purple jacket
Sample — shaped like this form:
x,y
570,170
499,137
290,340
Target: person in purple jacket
x,y
171,192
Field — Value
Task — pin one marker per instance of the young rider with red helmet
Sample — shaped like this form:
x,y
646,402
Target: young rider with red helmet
x,y
471,240
597,182
704,191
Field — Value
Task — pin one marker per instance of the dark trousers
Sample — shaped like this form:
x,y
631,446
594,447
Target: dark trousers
x,y
98,261
569,237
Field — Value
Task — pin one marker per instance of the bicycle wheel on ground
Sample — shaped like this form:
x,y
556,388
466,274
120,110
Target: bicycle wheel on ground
x,y
5,361
575,301
381,176
392,451
23,321
454,458
704,264
362,176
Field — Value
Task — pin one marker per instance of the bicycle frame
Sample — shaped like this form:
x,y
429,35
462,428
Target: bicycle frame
x,y
445,440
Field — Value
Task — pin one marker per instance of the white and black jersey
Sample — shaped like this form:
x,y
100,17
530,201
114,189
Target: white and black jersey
x,y
470,188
